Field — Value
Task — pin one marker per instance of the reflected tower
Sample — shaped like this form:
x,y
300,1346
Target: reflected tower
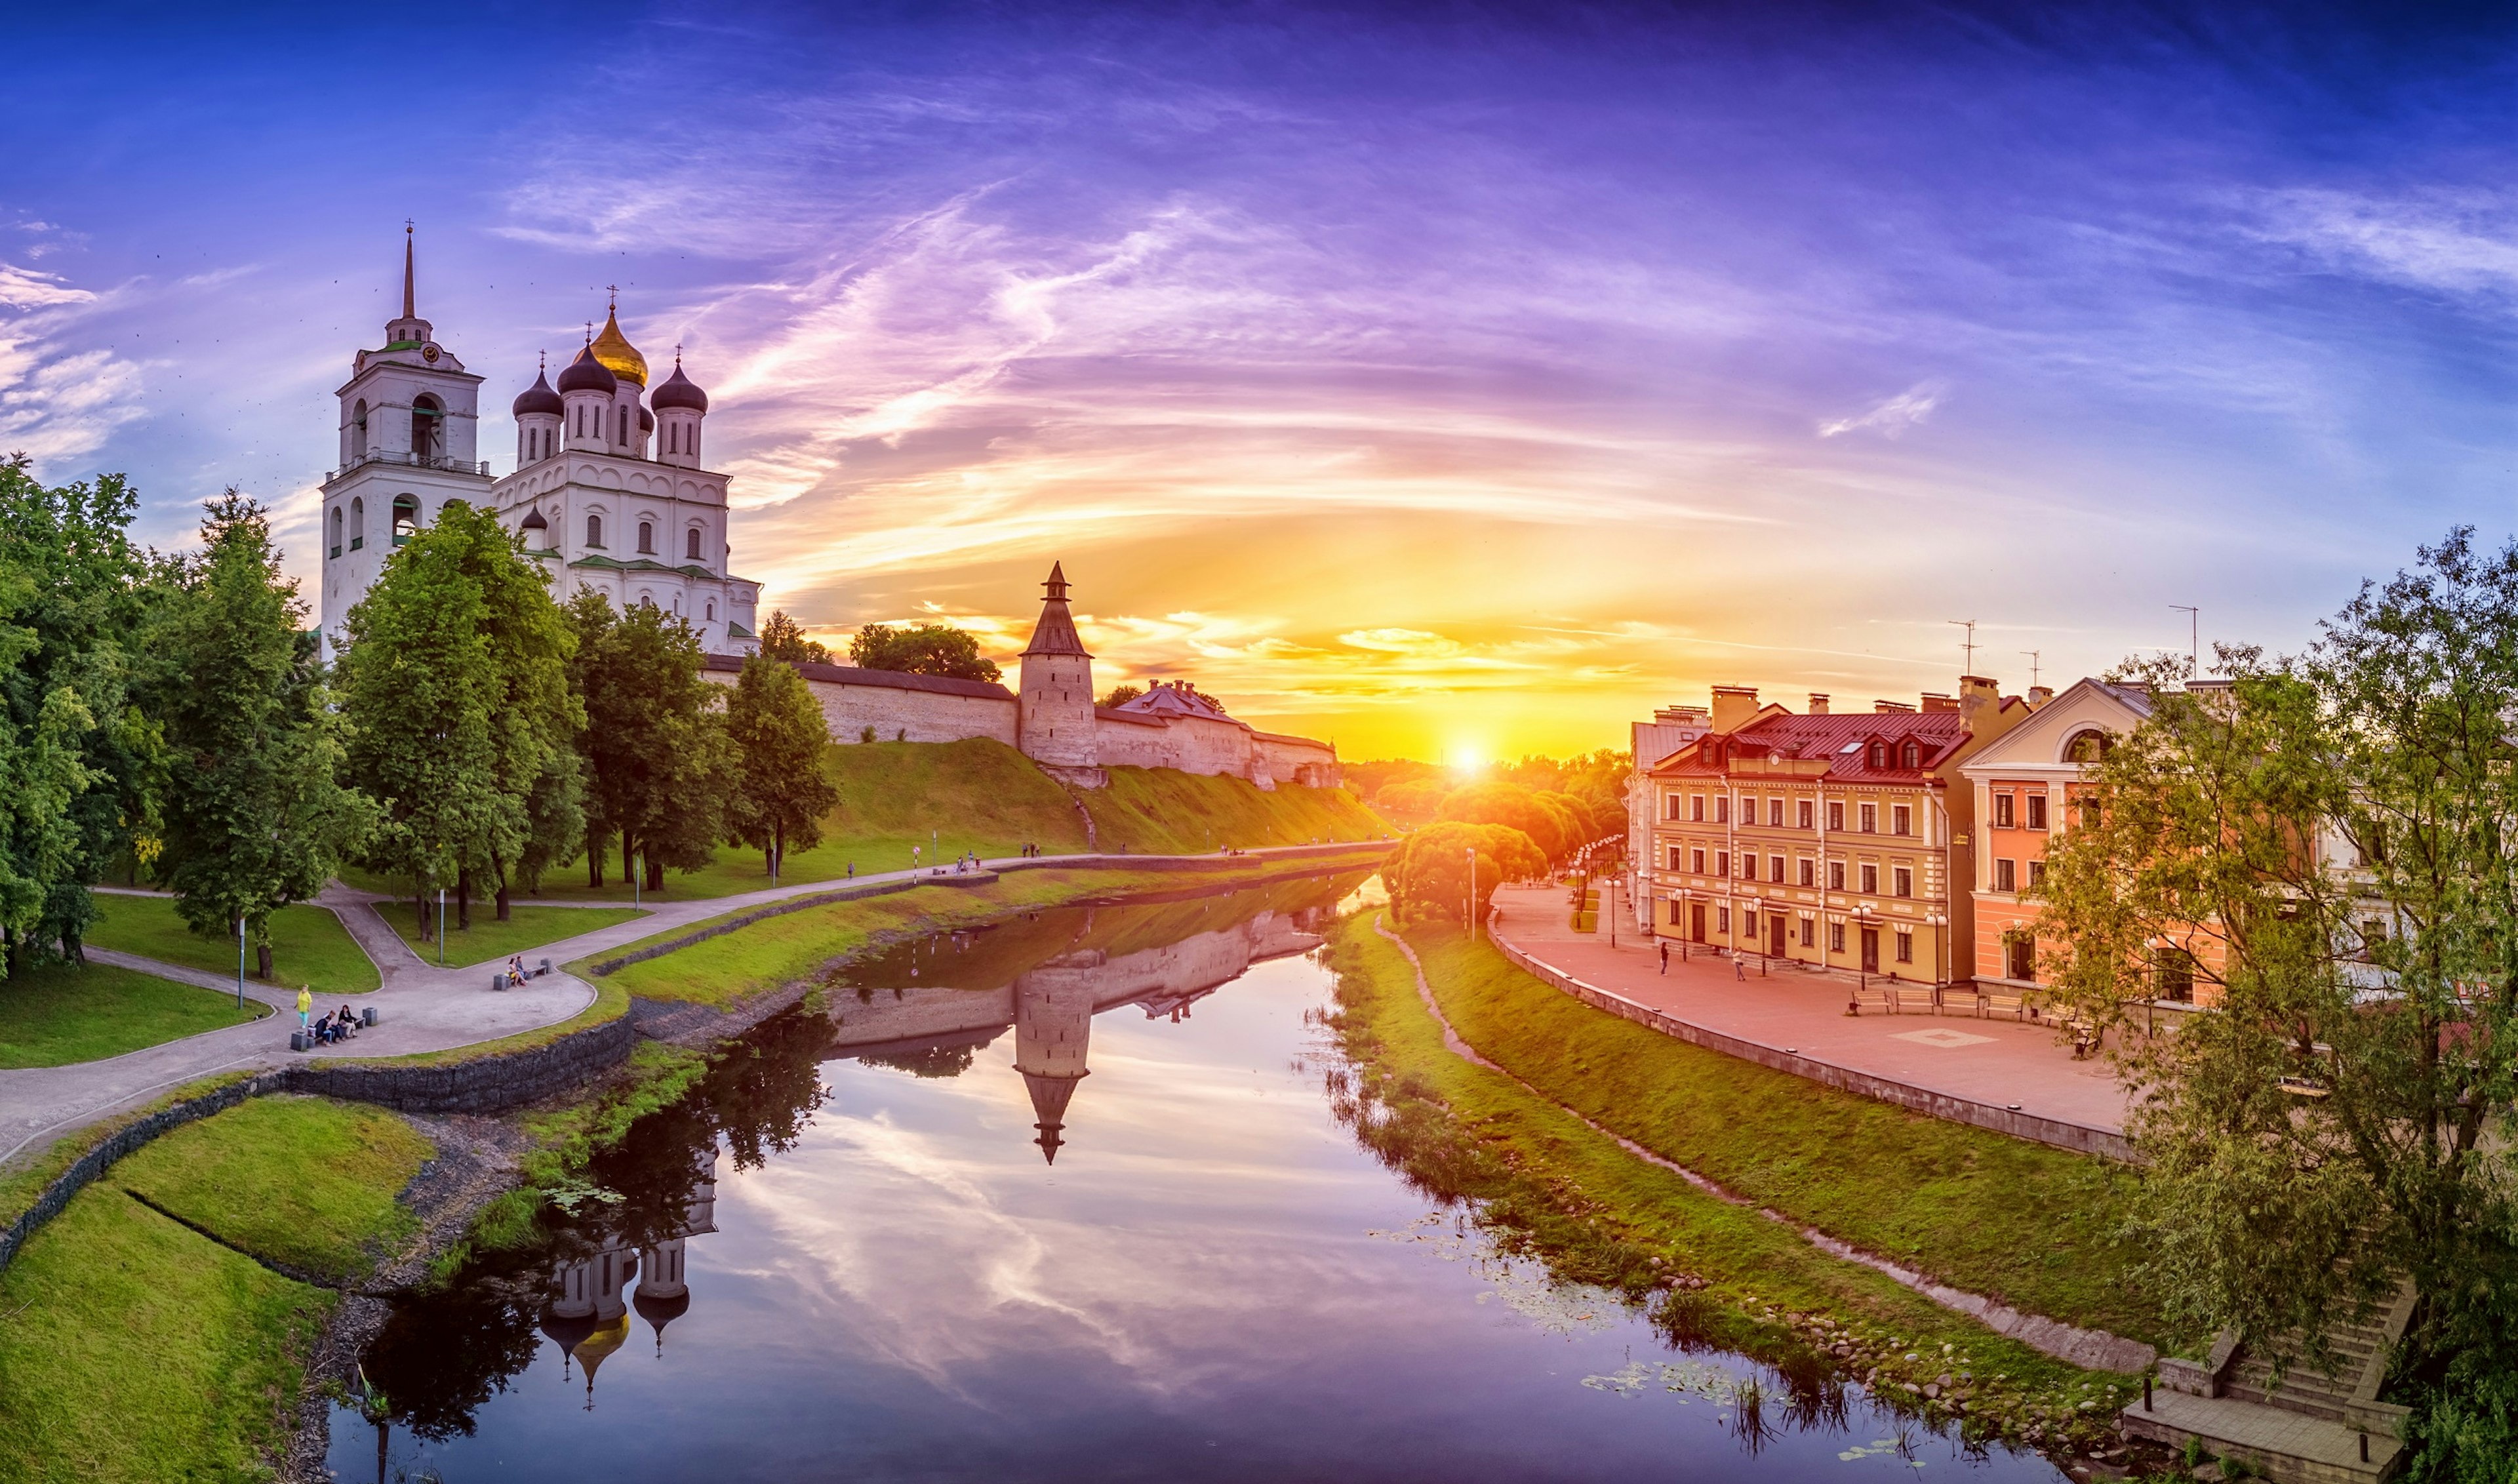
x,y
663,1294
1053,1022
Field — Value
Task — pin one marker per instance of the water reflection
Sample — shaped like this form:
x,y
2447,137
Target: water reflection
x,y
890,1240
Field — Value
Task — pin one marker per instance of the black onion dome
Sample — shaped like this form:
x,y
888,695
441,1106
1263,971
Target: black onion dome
x,y
678,390
646,420
534,521
539,398
588,375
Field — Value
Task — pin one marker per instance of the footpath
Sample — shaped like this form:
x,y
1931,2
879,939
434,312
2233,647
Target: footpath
x,y
1956,1064
420,1007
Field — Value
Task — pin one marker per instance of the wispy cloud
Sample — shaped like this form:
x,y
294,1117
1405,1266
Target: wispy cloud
x,y
1893,416
59,397
2450,242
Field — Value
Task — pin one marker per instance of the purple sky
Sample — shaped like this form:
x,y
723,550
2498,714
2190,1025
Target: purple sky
x,y
1447,382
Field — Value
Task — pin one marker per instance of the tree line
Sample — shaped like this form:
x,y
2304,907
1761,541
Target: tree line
x,y
174,717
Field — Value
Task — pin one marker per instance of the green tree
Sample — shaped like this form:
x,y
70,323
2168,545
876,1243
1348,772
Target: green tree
x,y
82,589
937,649
783,638
1549,823
1429,874
257,816
778,735
1121,695
658,764
2326,844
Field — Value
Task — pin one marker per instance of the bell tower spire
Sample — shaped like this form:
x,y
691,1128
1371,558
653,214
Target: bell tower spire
x,y
410,311
411,328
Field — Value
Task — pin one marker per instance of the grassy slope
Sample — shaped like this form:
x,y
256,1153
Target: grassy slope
x,y
57,1015
490,939
309,944
138,1350
1600,1214
946,798
303,1181
2017,1221
779,950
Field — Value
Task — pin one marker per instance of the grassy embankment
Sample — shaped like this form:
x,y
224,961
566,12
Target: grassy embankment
x,y
489,939
308,944
1547,1184
948,797
2032,1225
138,1348
61,1012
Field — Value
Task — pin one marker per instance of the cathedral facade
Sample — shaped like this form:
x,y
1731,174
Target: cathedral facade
x,y
609,491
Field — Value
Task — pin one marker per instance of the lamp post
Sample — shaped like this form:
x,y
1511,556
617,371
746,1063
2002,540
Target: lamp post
x,y
441,927
1470,908
240,962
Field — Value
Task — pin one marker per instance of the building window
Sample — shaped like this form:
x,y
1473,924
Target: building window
x,y
2037,809
1914,756
2086,747
358,432
2175,974
1870,819
594,532
427,429
691,543
711,610
1672,808
1809,872
1676,860
1775,869
1835,875
2091,816
1870,878
1836,817
1722,808
336,530
1901,820
1901,881
2019,955
1749,925
1806,813
1723,920
2002,812
1809,934
1674,911
2036,875
647,537
1905,945
1696,809
1721,863
406,518
1696,862
2005,875
1835,937
1775,813
358,524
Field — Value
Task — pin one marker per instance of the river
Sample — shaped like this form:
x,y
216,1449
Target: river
x,y
1063,1199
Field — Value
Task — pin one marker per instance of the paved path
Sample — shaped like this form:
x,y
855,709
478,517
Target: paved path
x,y
1998,1062
420,1007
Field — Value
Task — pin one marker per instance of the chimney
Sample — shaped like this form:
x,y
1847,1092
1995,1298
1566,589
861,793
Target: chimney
x,y
1978,696
1818,703
2039,695
1734,707
1933,700
1892,707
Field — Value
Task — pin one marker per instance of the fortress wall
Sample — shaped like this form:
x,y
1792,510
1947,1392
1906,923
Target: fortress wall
x,y
1191,744
925,715
1298,760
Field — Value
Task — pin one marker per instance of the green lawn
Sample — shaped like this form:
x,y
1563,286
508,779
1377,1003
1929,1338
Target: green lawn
x,y
304,1181
57,1015
947,798
490,939
2030,1225
1600,1215
308,944
135,1349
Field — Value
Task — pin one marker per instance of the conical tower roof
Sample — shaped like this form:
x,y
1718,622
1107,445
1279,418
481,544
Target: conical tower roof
x,y
1055,634
1049,1099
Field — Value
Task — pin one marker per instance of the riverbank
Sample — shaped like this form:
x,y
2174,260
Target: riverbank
x,y
1547,1182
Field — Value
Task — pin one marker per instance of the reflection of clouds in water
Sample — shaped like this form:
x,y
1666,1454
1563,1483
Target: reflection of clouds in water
x,y
1519,1284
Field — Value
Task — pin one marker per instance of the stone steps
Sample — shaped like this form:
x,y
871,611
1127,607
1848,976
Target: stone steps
x,y
2286,1446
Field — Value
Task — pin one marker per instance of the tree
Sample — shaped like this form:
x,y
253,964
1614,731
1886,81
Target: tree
x,y
658,764
1428,875
937,649
1416,798
1121,695
257,816
80,591
1549,825
778,735
2326,845
783,638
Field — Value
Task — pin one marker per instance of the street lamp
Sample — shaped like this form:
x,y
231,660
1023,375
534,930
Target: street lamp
x,y
1470,910
240,963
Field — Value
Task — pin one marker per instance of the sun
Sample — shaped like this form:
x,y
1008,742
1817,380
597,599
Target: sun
x,y
1467,759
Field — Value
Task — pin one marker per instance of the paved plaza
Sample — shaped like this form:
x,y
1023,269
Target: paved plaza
x,y
1997,1062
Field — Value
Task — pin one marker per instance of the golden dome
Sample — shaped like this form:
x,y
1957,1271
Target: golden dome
x,y
617,355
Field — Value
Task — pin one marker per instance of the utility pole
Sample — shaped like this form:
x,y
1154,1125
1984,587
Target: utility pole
x,y
441,927
2194,635
1970,625
240,963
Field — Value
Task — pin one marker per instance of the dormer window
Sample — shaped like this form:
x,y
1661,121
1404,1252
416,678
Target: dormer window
x,y
1914,756
1879,755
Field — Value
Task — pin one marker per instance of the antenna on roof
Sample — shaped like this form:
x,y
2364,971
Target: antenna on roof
x,y
2193,633
1970,625
2032,666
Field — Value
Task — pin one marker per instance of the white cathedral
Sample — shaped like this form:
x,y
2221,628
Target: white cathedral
x,y
608,488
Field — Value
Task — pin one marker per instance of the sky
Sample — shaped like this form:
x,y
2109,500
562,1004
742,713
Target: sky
x,y
1448,382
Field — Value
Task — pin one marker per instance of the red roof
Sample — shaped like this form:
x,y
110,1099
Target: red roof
x,y
1843,740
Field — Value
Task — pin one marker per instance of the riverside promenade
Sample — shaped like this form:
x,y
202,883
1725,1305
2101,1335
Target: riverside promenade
x,y
1994,1066
420,1007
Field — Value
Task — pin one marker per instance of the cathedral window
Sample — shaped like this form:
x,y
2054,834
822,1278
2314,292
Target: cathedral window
x,y
594,532
691,543
711,610
336,530
647,537
358,432
427,429
406,518
358,524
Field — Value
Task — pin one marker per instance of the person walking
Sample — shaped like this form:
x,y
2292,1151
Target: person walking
x,y
1665,956
305,1006
1739,970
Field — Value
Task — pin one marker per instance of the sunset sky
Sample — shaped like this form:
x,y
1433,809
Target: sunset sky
x,y
1441,380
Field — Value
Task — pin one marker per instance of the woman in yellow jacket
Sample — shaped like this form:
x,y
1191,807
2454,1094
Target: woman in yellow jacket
x,y
305,1004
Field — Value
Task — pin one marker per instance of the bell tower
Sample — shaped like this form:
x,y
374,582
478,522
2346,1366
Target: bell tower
x,y
409,428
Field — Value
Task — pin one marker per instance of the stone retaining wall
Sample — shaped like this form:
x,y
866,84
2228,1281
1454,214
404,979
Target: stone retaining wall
x,y
2079,1138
